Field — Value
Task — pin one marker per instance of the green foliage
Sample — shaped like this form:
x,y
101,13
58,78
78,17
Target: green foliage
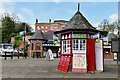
x,y
0,35
18,40
10,28
26,47
8,25
30,33
106,26
21,27
56,42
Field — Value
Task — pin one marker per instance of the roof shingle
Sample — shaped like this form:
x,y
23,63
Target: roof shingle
x,y
38,35
78,21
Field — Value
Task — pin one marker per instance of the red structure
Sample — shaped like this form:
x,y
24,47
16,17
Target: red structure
x,y
77,45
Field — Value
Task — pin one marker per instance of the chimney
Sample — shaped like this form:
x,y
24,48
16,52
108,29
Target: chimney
x,y
49,20
36,20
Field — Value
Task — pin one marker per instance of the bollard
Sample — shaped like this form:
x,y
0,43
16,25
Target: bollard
x,y
11,55
18,54
5,55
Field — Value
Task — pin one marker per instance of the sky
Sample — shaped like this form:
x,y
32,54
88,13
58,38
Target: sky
x,y
94,12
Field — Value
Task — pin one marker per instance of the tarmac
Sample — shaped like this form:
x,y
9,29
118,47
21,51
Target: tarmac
x,y
41,68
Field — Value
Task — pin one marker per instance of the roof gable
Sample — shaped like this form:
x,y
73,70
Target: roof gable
x,y
38,35
78,21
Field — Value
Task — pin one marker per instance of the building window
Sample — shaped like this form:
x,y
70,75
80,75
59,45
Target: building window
x,y
55,26
38,27
107,50
42,27
75,44
66,47
46,27
37,46
79,45
59,26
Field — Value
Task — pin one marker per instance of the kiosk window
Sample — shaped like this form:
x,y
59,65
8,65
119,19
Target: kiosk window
x,y
66,46
79,44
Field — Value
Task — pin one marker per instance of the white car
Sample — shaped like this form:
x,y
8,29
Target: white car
x,y
16,51
8,48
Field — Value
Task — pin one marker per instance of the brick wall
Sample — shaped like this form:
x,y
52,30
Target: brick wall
x,y
108,55
49,26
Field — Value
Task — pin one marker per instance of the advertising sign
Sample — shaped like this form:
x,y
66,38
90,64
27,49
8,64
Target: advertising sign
x,y
78,35
79,62
64,63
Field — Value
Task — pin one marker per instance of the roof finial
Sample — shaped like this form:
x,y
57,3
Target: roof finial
x,y
78,6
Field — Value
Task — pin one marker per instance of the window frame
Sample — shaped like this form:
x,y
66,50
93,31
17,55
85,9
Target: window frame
x,y
65,46
79,45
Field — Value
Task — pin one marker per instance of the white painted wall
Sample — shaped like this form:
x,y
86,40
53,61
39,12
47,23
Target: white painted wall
x,y
99,56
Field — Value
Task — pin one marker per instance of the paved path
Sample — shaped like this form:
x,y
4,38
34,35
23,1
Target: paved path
x,y
40,68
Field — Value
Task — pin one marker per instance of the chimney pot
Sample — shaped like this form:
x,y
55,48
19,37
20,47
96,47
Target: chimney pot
x,y
36,20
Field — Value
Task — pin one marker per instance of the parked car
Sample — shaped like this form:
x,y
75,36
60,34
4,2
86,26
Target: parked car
x,y
18,52
8,48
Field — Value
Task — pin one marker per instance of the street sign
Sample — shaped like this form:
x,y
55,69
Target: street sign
x,y
115,45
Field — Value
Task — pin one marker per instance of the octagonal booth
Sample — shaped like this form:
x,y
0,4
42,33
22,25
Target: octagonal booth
x,y
77,47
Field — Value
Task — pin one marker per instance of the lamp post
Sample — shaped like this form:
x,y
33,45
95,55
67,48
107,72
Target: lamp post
x,y
24,41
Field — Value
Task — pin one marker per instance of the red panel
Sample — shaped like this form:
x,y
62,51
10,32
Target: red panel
x,y
91,55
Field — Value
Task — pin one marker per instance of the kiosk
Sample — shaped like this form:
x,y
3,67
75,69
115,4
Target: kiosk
x,y
77,46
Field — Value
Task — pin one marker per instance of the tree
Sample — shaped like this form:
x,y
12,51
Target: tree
x,y
17,41
106,26
8,25
0,35
21,27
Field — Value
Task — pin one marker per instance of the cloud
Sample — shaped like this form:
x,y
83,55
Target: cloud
x,y
6,0
95,24
2,10
23,15
57,1
28,11
19,16
6,7
113,17
26,15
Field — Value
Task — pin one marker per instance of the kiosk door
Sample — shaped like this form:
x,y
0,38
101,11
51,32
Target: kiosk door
x,y
90,55
79,56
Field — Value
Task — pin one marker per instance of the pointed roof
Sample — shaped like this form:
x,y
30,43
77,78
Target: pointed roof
x,y
78,21
49,35
38,35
